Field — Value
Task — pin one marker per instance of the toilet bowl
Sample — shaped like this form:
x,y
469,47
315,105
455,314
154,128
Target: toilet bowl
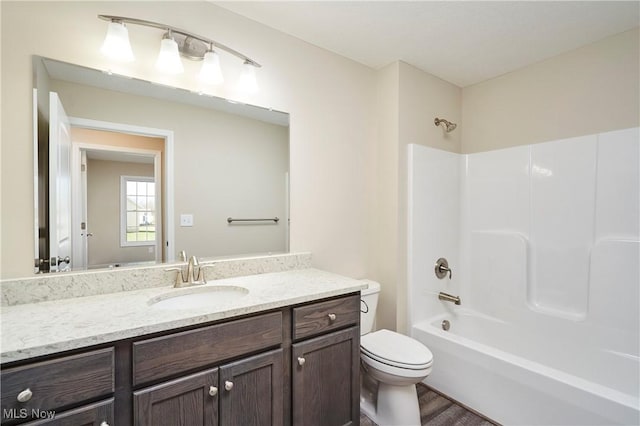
x,y
392,364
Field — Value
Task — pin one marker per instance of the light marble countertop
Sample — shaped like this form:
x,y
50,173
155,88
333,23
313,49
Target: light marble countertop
x,y
35,329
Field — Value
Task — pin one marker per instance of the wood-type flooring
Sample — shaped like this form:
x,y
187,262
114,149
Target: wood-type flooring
x,y
437,410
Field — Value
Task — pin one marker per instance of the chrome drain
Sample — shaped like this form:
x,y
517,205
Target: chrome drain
x,y
446,325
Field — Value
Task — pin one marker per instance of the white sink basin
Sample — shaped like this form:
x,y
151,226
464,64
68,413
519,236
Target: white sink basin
x,y
200,297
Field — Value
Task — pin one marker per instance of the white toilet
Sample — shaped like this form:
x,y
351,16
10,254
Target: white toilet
x,y
392,364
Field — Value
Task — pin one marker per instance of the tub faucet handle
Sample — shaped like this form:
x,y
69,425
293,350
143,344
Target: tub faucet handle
x,y
442,267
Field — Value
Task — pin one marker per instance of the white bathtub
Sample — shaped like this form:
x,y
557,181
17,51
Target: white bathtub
x,y
518,376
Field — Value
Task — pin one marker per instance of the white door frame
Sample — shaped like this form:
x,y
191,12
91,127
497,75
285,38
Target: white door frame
x,y
79,203
36,201
168,236
81,254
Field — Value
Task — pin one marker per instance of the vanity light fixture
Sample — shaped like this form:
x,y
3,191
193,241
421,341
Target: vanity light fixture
x,y
175,43
211,73
116,44
169,60
247,82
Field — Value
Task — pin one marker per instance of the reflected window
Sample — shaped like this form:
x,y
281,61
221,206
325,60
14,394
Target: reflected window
x,y
137,211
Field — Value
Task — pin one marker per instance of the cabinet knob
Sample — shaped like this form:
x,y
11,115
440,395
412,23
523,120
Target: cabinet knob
x,y
301,361
332,317
228,385
25,395
104,423
213,391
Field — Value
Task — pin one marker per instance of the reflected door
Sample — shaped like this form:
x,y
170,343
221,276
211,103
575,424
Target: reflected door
x,y
59,186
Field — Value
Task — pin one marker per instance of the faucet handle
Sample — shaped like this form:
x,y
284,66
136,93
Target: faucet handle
x,y
183,256
442,267
201,271
179,276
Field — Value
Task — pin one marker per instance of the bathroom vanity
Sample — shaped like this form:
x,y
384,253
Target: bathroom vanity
x,y
286,353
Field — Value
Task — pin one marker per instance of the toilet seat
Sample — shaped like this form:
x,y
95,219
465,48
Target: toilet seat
x,y
395,350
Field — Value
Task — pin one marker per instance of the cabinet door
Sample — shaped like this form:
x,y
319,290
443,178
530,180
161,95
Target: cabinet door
x,y
251,391
98,414
187,401
326,380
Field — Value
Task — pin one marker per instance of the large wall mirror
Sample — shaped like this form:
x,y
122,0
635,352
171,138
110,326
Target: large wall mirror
x,y
130,172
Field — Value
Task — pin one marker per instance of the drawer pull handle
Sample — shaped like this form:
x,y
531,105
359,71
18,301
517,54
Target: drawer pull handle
x,y
213,391
228,385
25,395
301,361
332,317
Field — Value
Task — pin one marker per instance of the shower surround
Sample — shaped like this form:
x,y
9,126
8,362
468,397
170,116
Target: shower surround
x,y
543,241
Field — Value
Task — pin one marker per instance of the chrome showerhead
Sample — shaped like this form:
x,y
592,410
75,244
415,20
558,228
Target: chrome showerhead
x,y
449,126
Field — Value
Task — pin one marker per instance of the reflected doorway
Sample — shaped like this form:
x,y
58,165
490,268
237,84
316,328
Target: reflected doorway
x,y
118,212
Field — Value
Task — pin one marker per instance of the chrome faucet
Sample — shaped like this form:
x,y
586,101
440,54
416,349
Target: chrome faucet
x,y
449,298
192,274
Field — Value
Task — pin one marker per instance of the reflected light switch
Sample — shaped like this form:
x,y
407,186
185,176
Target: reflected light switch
x,y
186,220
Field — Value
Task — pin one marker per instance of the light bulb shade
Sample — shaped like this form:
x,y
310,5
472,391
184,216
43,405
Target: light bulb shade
x,y
247,82
116,44
210,73
169,57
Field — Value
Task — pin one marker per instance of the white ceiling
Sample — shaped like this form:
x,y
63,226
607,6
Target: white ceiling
x,y
463,42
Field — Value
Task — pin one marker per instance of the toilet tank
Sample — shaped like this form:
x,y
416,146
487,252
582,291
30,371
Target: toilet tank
x,y
368,306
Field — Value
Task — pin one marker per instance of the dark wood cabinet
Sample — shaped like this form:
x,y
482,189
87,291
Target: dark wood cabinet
x,y
32,391
187,401
326,379
252,391
295,365
225,395
245,392
98,414
155,358
322,317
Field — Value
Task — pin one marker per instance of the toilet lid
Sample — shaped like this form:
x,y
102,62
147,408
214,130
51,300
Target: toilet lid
x,y
396,349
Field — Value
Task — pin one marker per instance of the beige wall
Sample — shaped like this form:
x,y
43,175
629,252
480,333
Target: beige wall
x,y
385,240
331,101
423,97
589,90
408,101
348,151
224,165
103,212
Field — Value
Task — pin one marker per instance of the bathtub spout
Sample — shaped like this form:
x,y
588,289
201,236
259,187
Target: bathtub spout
x,y
449,298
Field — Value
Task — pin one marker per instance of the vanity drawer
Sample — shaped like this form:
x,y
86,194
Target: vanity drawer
x,y
321,317
163,356
58,382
